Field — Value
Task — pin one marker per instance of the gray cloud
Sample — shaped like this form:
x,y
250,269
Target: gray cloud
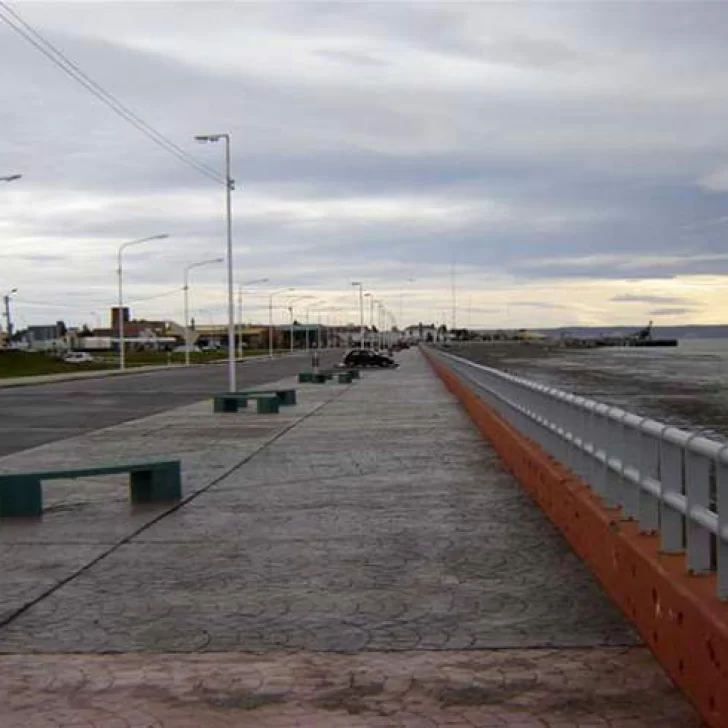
x,y
671,311
533,143
355,58
643,298
537,304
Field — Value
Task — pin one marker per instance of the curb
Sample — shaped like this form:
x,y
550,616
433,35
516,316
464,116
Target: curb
x,y
678,615
80,376
104,373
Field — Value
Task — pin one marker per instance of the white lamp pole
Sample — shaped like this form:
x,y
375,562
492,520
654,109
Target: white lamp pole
x,y
290,310
317,302
370,296
240,310
229,187
270,318
8,320
380,318
361,313
186,288
120,312
401,297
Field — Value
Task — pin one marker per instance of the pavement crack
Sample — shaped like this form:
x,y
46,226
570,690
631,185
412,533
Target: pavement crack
x,y
13,615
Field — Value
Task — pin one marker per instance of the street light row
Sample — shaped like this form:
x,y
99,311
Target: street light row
x,y
229,187
185,288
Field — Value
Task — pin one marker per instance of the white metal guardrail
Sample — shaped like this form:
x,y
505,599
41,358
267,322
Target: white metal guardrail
x,y
670,481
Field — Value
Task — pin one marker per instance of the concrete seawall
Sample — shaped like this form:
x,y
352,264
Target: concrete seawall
x,y
677,614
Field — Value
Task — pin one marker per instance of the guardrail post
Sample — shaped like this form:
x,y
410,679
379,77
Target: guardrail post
x,y
649,505
598,477
671,479
581,438
697,490
721,546
613,449
632,459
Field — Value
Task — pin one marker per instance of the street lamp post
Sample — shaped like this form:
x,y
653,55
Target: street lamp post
x,y
229,187
316,301
322,317
270,318
240,310
8,320
370,296
186,289
120,312
401,297
290,310
361,313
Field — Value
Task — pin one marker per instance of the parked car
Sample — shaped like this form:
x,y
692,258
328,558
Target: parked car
x,y
367,358
181,349
78,357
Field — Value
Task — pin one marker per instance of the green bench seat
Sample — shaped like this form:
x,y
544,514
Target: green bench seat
x,y
21,494
286,397
324,375
313,377
268,403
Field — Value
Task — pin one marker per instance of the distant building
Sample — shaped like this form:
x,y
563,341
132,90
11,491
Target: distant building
x,y
52,337
421,332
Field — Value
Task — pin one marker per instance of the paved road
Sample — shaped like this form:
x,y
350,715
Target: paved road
x,y
35,415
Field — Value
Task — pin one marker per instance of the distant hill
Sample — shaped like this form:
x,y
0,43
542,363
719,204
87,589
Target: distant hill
x,y
659,332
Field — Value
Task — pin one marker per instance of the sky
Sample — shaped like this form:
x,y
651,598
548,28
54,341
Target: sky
x,y
536,164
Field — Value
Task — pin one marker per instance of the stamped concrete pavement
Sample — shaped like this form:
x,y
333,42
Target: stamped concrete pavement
x,y
361,559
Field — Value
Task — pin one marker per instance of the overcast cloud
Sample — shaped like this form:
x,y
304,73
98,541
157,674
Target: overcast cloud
x,y
570,155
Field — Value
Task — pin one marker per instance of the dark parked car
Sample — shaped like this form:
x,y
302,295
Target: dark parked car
x,y
367,358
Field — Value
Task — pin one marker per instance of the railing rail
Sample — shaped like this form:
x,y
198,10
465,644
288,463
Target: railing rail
x,y
670,481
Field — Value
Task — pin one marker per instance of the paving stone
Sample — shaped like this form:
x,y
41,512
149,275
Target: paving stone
x,y
494,689
352,561
359,528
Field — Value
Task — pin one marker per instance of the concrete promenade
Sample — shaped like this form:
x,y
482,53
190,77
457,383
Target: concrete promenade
x,y
361,559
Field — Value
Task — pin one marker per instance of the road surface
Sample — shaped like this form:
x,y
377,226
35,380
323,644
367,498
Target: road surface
x,y
38,414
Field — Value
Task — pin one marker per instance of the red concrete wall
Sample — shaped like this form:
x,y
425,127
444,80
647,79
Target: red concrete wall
x,y
678,615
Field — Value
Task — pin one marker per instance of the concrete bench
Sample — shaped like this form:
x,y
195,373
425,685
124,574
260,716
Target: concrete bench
x,y
286,397
324,375
21,494
313,377
268,403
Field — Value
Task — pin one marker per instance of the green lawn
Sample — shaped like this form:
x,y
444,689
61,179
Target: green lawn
x,y
31,364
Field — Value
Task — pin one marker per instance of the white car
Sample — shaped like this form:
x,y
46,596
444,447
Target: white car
x,y
78,357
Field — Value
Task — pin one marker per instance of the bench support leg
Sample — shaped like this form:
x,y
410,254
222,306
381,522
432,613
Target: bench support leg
x,y
287,397
268,405
228,404
156,484
20,497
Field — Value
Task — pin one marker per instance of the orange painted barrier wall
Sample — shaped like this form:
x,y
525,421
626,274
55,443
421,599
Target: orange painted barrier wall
x,y
678,615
